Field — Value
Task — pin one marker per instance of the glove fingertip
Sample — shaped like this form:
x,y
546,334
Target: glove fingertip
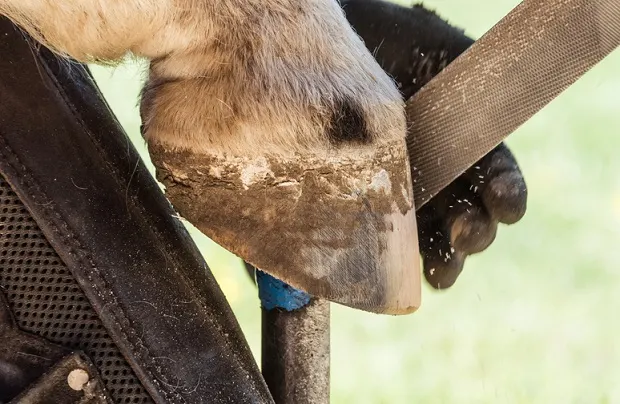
x,y
472,232
443,273
505,197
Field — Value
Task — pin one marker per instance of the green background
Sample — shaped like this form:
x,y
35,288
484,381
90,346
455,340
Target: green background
x,y
531,319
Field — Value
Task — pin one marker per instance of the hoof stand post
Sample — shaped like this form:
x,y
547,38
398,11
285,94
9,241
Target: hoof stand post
x,y
295,343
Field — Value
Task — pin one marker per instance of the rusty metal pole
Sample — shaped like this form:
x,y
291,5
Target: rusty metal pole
x,y
295,343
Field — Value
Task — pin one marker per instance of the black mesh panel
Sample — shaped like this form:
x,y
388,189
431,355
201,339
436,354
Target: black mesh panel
x,y
48,302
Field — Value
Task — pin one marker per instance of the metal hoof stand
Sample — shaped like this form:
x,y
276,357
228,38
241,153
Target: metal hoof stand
x,y
295,343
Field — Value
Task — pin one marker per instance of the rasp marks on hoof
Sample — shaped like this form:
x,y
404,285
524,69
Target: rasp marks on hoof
x,y
338,226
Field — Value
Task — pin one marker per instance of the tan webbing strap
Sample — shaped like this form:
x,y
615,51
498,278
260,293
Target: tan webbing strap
x,y
526,60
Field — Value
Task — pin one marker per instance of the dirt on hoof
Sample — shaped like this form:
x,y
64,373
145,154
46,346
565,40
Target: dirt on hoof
x,y
340,226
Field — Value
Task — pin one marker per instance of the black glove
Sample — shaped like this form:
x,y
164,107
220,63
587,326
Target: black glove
x,y
413,45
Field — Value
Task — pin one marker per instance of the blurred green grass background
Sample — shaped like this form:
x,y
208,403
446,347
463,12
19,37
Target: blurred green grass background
x,y
531,319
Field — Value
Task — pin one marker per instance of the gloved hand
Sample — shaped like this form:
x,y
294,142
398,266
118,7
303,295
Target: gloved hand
x,y
462,219
413,44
